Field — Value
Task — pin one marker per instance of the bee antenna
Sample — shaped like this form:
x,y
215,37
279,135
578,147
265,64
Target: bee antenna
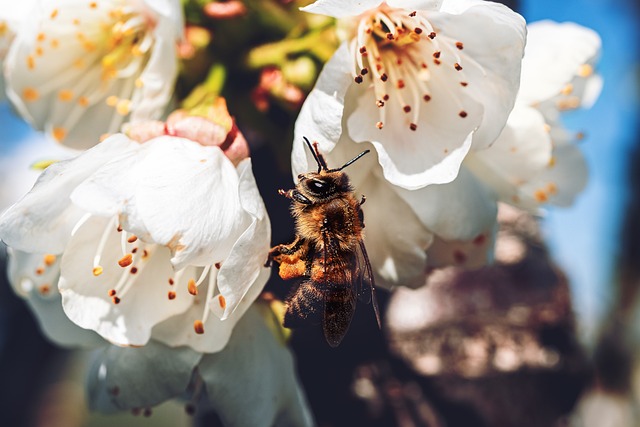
x,y
316,154
350,161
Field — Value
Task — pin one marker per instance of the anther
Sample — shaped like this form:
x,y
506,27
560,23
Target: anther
x,y
457,66
145,254
126,260
417,30
364,71
379,125
437,61
119,229
432,35
436,54
192,288
384,77
40,271
218,265
132,239
222,301
412,14
97,270
406,108
389,36
380,103
400,84
464,84
363,49
115,300
413,126
134,270
171,295
171,282
358,79
427,98
49,260
112,292
385,97
462,114
134,250
198,326
44,289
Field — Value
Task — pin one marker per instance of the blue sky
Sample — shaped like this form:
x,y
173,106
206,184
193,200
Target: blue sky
x,y
585,238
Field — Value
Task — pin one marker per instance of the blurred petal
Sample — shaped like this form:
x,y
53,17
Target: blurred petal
x,y
554,56
41,293
255,368
126,378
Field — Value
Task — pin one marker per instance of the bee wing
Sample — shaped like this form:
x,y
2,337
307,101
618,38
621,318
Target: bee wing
x,y
339,289
365,281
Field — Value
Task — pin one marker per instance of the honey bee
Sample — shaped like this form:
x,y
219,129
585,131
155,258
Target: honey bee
x,y
328,251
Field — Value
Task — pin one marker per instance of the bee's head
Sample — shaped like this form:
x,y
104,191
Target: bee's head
x,y
322,186
326,183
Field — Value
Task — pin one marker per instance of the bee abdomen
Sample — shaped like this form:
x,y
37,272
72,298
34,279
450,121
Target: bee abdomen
x,y
303,305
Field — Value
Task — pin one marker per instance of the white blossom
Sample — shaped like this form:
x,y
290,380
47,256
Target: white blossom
x,y
77,69
425,82
151,239
532,162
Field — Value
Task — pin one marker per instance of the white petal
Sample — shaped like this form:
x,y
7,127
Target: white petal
x,y
497,51
41,293
85,297
320,118
256,368
560,182
42,221
178,194
126,378
179,330
396,240
247,257
17,173
413,159
171,9
553,57
340,8
416,4
520,153
460,210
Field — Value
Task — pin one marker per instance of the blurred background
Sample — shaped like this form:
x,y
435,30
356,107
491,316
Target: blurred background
x,y
561,323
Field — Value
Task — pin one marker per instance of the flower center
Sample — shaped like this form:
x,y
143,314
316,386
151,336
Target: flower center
x,y
394,49
135,256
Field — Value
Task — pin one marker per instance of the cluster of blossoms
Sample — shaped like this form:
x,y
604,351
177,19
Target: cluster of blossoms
x,y
456,124
151,243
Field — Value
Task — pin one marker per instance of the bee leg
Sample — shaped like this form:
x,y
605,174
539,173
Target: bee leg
x,y
275,254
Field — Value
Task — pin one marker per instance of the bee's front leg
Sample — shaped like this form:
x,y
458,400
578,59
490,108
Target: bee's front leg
x,y
277,252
